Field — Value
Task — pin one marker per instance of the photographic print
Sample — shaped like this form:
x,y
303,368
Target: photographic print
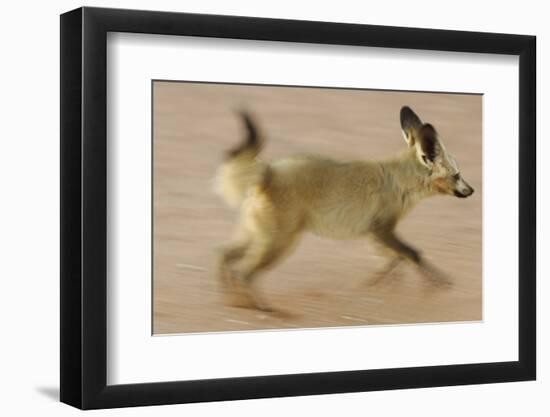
x,y
281,207
284,186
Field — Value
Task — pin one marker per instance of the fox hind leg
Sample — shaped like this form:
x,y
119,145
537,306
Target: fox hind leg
x,y
257,259
226,257
269,235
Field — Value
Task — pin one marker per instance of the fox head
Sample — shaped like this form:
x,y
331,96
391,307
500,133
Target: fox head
x,y
444,175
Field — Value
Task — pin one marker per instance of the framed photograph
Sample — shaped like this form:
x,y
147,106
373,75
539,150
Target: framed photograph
x,y
261,208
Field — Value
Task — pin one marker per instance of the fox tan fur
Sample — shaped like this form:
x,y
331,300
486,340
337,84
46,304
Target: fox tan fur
x,y
280,200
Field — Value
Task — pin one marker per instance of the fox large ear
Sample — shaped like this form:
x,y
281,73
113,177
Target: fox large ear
x,y
428,147
410,123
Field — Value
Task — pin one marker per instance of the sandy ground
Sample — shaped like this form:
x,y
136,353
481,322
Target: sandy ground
x,y
324,283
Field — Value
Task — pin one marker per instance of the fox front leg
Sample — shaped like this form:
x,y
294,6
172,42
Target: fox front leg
x,y
403,250
434,274
386,271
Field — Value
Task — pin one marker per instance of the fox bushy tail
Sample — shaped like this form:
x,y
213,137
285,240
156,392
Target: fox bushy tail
x,y
240,169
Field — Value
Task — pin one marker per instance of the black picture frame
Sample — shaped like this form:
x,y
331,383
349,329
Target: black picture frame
x,y
84,207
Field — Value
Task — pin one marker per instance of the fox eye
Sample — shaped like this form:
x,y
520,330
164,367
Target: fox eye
x,y
456,176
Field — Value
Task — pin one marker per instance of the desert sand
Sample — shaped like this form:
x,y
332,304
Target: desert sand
x,y
324,283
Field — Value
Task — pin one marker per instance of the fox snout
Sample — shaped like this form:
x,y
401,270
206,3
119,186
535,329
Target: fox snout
x,y
463,189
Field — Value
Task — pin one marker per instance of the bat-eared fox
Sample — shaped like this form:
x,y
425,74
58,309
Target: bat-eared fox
x,y
280,200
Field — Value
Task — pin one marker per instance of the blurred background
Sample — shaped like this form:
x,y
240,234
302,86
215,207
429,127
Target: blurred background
x,y
324,283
